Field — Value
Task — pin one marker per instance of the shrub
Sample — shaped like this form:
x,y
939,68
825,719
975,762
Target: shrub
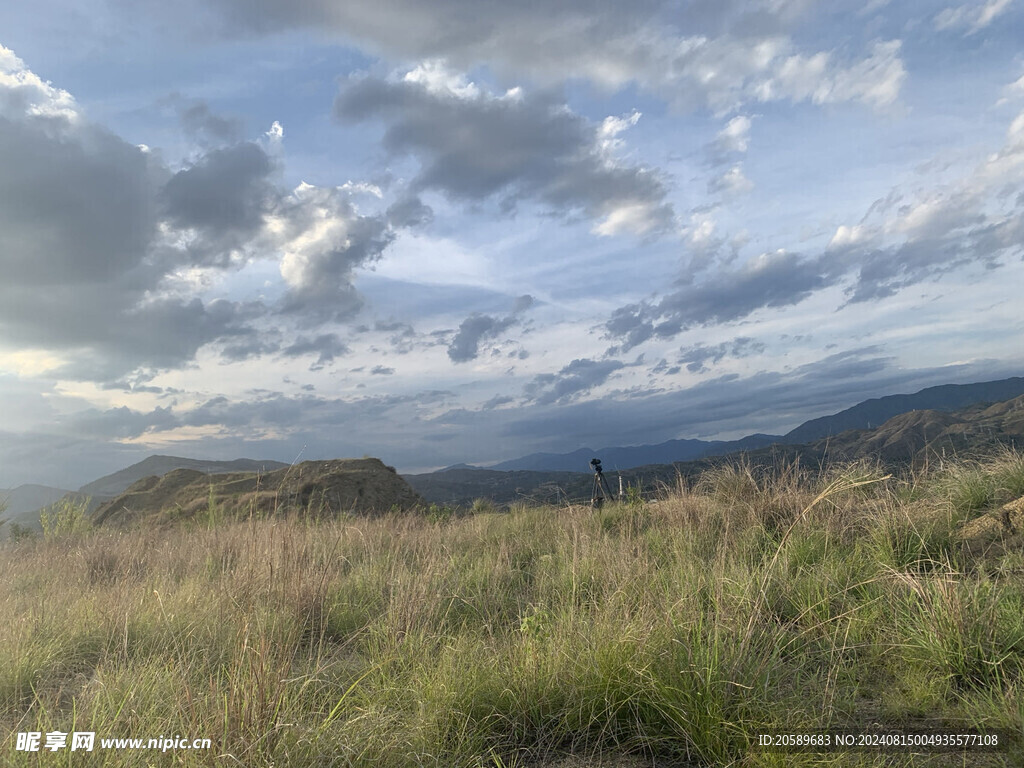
x,y
67,519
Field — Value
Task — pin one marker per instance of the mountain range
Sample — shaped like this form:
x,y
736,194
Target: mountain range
x,y
865,415
909,438
900,429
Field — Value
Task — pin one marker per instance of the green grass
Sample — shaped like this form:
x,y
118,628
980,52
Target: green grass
x,y
670,632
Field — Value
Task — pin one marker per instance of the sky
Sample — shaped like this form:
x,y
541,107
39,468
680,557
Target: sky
x,y
443,231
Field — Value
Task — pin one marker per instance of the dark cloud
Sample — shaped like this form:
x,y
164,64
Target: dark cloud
x,y
697,357
409,212
101,244
663,367
771,280
473,146
207,127
118,423
544,38
252,344
769,402
76,204
575,379
380,370
497,401
465,346
939,231
326,346
226,190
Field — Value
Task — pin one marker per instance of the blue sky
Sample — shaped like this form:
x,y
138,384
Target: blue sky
x,y
453,231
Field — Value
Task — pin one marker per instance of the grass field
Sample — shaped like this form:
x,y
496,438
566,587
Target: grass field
x,y
660,633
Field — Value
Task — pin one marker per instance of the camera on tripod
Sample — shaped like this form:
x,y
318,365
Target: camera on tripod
x,y
600,485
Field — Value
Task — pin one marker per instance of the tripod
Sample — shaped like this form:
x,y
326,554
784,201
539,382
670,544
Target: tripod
x,y
600,485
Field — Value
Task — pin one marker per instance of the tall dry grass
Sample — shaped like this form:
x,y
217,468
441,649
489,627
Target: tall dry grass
x,y
673,631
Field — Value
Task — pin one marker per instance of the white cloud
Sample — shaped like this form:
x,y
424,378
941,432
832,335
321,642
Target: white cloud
x,y
735,136
276,132
322,239
608,133
846,236
875,81
23,93
971,17
439,79
639,218
732,182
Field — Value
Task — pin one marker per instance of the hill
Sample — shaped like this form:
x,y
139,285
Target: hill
x,y
111,485
321,487
927,435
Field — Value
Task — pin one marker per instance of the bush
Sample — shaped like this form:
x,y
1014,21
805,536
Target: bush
x,y
67,519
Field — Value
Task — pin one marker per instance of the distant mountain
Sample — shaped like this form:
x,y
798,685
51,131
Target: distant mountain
x,y
914,438
112,485
865,415
873,413
21,505
634,456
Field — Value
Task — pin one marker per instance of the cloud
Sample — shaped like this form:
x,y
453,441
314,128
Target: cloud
x,y
875,80
206,127
732,141
23,93
409,212
465,345
728,148
227,190
327,347
972,17
974,220
573,380
716,56
322,239
732,182
106,252
473,145
397,427
118,423
770,280
698,356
